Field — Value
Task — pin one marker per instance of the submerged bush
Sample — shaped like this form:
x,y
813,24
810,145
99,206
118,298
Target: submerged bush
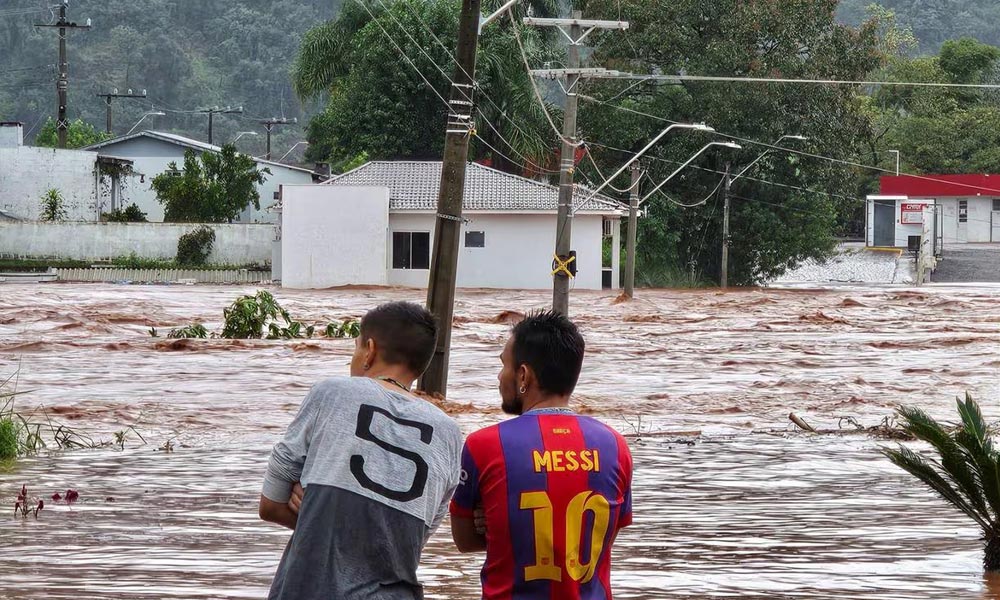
x,y
194,247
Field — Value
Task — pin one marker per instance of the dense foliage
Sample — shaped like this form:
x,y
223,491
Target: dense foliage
x,y
935,22
210,188
194,247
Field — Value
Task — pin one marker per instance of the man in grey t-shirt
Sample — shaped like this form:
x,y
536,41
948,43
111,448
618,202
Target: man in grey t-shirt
x,y
378,466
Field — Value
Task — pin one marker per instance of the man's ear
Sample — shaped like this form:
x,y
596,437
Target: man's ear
x,y
525,377
371,352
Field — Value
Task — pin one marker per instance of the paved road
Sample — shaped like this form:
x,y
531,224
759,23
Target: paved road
x,y
969,263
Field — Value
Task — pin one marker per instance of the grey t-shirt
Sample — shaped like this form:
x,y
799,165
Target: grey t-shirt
x,y
379,469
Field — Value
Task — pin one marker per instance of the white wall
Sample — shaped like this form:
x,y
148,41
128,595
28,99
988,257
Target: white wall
x,y
234,244
27,172
518,252
333,236
152,157
976,229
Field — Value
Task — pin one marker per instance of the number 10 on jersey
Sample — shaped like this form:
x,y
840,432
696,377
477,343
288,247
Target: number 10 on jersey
x,y
545,567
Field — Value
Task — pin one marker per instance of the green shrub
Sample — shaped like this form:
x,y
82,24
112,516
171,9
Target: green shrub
x,y
52,206
194,248
348,329
249,316
129,214
197,330
133,261
8,439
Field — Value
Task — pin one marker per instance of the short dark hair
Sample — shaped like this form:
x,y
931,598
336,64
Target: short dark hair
x,y
405,334
552,346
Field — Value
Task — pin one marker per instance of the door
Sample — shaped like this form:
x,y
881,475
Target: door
x,y
885,224
995,229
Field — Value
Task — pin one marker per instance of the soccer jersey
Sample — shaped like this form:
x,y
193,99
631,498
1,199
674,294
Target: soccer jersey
x,y
556,488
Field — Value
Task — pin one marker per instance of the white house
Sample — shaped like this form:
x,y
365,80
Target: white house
x,y
968,205
89,184
375,226
153,151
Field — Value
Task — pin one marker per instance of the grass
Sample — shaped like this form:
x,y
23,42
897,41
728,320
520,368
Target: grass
x,y
668,276
39,265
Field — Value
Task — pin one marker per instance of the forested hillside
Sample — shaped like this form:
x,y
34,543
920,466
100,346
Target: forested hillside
x,y
936,21
187,54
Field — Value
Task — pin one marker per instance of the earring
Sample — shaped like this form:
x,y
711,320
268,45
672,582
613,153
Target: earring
x,y
366,366
522,390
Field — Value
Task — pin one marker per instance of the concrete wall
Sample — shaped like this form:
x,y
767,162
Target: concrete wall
x,y
27,172
152,157
517,254
234,244
333,236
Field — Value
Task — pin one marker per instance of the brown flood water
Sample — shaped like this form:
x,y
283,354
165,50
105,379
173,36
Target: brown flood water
x,y
736,514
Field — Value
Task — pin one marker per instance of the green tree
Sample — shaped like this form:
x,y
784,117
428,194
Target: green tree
x,y
966,472
211,188
772,227
79,135
378,104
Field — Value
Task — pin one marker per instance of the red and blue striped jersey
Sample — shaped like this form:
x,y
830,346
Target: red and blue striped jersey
x,y
556,488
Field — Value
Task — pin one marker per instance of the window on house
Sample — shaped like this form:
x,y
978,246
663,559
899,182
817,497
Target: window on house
x,y
996,204
963,211
411,250
475,239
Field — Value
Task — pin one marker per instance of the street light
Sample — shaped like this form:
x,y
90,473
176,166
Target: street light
x,y
731,145
695,126
155,113
243,133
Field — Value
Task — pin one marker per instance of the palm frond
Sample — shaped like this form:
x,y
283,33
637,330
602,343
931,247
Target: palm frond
x,y
914,464
956,462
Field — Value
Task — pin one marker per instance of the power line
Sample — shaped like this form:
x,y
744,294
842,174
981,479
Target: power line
x,y
722,79
794,151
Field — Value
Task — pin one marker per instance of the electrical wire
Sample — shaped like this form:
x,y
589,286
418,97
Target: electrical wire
x,y
534,87
696,204
798,152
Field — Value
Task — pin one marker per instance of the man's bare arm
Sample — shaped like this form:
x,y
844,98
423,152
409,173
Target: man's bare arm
x,y
277,512
467,539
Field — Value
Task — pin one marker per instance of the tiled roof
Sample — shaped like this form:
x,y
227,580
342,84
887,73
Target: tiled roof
x,y
186,142
413,185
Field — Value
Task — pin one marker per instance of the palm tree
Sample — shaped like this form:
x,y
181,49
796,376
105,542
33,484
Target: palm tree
x,y
966,472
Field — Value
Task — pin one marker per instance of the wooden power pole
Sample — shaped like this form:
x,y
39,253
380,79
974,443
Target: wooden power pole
x,y
448,228
109,97
62,85
215,110
579,29
725,229
269,124
633,219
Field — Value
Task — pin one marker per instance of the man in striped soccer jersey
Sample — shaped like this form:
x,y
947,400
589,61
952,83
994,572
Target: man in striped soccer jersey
x,y
554,486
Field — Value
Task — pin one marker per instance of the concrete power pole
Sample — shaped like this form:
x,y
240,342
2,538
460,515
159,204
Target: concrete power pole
x,y
62,85
725,228
448,227
633,219
269,124
563,259
215,110
108,98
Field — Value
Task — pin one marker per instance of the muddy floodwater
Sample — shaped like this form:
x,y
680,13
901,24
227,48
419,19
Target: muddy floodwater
x,y
745,509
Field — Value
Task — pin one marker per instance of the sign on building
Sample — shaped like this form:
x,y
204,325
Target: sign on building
x,y
912,214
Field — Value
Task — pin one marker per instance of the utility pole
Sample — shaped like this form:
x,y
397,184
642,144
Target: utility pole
x,y
270,124
114,94
62,85
448,227
633,219
215,110
725,228
562,261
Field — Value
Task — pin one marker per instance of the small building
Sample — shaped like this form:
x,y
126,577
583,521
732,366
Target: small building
x,y
968,207
153,151
89,184
375,226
